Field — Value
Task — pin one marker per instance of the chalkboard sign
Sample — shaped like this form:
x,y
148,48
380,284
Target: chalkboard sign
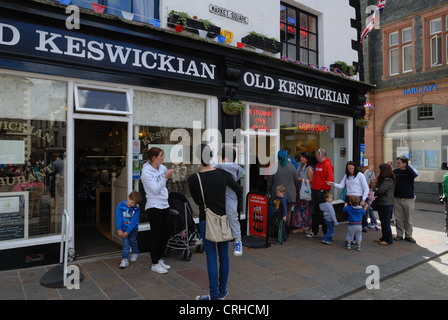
x,y
13,215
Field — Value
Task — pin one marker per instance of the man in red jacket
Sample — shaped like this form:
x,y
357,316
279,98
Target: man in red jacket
x,y
324,172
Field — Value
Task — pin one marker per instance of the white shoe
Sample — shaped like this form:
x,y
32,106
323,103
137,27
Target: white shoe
x,y
158,268
163,265
238,249
124,263
134,257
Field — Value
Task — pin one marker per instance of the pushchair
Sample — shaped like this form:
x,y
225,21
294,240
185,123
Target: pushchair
x,y
184,233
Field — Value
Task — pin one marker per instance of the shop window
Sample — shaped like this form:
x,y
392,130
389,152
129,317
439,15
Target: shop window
x,y
298,33
419,133
32,157
303,132
170,123
143,10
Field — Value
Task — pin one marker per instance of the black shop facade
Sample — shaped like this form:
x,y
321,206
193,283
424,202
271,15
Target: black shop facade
x,y
79,108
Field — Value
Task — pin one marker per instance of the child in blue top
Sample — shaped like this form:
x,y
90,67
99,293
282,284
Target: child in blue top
x,y
354,229
127,215
280,211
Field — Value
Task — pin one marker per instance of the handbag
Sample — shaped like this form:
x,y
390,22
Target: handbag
x,y
217,228
374,204
305,191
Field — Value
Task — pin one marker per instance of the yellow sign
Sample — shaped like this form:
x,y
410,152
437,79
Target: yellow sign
x,y
228,35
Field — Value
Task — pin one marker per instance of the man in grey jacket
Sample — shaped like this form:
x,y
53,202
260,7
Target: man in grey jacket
x,y
228,156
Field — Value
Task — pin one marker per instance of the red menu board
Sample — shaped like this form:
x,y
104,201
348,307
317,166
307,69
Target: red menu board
x,y
257,207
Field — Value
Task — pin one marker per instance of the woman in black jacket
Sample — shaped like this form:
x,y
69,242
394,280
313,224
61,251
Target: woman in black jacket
x,y
384,192
214,183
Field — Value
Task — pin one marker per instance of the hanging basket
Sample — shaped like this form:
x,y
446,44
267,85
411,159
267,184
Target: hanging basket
x,y
232,108
362,123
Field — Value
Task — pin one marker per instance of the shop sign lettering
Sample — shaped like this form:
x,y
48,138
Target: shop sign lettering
x,y
422,89
73,46
303,126
285,86
25,129
260,119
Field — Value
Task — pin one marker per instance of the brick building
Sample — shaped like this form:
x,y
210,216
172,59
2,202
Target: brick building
x,y
406,59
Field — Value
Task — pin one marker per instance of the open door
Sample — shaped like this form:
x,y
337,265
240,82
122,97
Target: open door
x,y
100,161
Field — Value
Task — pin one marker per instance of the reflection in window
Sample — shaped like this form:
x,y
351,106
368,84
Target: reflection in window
x,y
298,33
32,163
420,133
92,100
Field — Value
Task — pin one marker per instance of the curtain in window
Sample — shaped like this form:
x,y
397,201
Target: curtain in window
x,y
144,10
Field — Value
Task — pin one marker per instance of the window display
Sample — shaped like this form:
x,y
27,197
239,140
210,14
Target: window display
x,y
303,132
172,131
32,149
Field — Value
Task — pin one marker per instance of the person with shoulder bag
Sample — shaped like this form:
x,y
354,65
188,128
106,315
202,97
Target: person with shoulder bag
x,y
384,202
208,190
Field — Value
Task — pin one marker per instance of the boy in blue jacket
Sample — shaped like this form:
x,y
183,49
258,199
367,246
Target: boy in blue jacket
x,y
127,215
354,228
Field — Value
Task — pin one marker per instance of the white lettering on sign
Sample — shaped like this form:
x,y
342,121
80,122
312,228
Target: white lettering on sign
x,y
79,47
295,88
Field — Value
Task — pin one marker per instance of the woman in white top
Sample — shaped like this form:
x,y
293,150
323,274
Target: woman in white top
x,y
154,178
355,182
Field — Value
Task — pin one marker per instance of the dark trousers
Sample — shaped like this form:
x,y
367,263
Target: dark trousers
x,y
385,213
317,217
159,220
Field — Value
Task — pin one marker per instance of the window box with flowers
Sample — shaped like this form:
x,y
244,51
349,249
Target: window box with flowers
x,y
192,24
232,107
261,41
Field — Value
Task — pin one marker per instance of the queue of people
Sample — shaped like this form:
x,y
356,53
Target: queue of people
x,y
302,211
392,192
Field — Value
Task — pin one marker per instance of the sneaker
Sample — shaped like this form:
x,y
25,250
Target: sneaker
x,y
203,297
326,242
134,257
224,295
158,268
238,249
348,246
163,265
310,235
358,248
124,263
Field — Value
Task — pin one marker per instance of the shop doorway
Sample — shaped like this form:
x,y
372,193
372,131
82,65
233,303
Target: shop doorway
x,y
100,155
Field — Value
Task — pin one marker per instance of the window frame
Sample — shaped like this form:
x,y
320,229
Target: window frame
x,y
84,86
299,37
398,29
440,36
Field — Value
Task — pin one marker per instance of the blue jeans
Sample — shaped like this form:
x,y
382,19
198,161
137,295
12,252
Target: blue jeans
x,y
385,213
330,231
128,242
217,279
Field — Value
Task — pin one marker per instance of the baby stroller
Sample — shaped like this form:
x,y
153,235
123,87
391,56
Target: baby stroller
x,y
184,233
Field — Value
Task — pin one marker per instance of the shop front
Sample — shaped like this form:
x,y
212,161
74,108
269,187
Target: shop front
x,y
412,121
79,109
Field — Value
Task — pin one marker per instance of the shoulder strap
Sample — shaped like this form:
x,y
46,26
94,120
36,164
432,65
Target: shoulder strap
x,y
202,192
